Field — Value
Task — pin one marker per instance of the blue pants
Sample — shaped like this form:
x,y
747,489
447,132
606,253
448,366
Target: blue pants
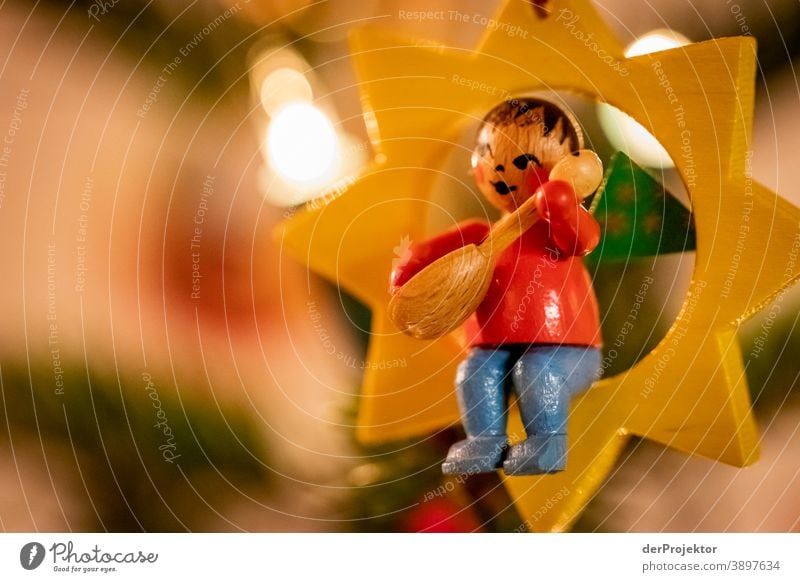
x,y
543,377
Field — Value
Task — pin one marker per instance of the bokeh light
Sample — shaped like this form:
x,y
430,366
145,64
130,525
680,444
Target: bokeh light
x,y
302,145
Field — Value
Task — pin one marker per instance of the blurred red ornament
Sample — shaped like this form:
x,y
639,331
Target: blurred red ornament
x,y
440,516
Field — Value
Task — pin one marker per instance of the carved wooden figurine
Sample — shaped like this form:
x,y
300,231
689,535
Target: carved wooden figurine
x,y
520,288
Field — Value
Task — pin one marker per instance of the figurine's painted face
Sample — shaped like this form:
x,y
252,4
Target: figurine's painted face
x,y
518,144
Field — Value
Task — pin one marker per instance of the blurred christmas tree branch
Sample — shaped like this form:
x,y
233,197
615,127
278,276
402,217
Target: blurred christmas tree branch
x,y
149,458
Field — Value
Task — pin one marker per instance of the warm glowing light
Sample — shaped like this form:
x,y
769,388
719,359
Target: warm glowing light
x,y
654,41
283,86
302,145
624,132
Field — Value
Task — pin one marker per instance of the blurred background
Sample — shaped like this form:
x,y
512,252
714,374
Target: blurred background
x,y
163,367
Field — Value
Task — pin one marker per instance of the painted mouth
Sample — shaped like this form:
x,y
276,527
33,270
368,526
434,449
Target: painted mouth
x,y
502,188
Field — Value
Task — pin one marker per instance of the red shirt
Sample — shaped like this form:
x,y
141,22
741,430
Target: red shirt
x,y
541,292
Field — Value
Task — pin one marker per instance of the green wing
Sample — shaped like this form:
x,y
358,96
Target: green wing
x,y
638,216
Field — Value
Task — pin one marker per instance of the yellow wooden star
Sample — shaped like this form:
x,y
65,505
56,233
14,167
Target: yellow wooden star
x,y
690,392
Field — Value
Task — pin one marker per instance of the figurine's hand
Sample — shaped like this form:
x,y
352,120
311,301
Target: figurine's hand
x,y
556,200
572,228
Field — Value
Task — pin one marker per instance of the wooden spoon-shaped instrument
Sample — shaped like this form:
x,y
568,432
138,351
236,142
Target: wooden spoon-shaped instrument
x,y
444,294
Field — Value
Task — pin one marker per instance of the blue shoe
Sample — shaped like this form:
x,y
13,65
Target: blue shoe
x,y
475,455
537,455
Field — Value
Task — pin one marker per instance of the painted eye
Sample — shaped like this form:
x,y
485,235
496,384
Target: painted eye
x,y
521,162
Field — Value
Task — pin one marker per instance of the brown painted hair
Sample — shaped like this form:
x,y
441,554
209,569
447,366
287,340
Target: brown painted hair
x,y
526,111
